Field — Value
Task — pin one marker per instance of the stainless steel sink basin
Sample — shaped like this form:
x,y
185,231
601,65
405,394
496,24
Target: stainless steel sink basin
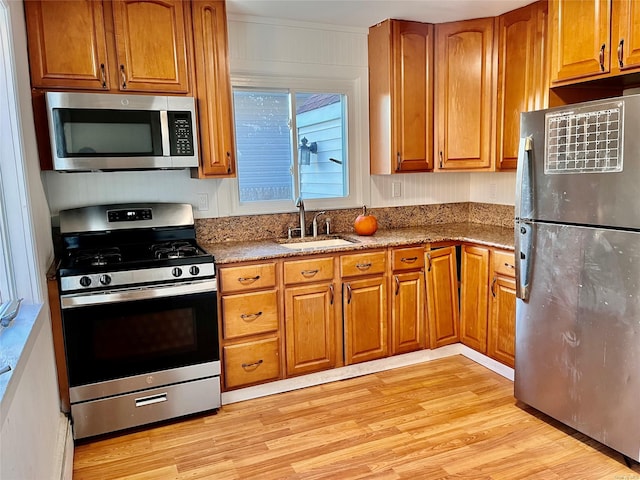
x,y
324,243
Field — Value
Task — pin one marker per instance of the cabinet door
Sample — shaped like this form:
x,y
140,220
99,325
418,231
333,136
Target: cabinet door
x,y
474,290
580,38
442,296
365,319
502,328
213,89
151,45
625,36
464,88
517,48
310,328
407,312
401,96
67,45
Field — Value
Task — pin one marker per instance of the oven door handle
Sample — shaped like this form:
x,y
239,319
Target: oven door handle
x,y
133,294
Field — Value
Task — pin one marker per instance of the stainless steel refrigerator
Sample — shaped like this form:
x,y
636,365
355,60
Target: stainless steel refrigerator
x,y
577,240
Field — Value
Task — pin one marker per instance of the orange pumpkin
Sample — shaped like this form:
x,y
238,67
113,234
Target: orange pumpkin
x,y
365,224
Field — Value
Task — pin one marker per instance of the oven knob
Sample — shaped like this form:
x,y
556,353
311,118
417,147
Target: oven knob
x,y
194,270
85,281
176,272
105,279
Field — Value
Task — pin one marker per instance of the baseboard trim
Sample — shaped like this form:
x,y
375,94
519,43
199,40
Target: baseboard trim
x,y
352,371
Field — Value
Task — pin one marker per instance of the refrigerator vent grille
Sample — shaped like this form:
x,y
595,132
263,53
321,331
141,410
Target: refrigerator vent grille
x,y
585,139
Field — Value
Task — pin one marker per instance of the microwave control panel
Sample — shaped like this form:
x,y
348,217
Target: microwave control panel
x,y
181,133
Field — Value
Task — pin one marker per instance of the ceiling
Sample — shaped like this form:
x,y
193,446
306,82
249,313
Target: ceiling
x,y
365,13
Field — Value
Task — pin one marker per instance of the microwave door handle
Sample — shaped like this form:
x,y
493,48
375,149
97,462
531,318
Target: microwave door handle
x,y
164,130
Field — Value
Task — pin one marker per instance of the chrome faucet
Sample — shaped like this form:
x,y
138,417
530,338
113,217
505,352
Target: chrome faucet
x,y
315,223
303,221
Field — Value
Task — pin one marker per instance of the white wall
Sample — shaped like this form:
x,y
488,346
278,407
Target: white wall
x,y
320,51
30,420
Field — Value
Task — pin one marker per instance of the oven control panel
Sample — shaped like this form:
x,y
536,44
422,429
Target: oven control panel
x,y
114,279
129,215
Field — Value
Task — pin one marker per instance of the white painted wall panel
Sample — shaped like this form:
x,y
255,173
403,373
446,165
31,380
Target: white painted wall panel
x,y
497,188
419,188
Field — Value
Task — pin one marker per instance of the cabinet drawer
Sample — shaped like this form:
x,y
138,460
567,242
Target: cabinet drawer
x,y
407,258
504,263
249,314
305,271
247,277
359,264
251,362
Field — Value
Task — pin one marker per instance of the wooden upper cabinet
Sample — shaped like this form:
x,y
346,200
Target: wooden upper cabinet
x,y
580,38
67,44
464,89
625,36
122,45
401,97
151,45
522,76
213,89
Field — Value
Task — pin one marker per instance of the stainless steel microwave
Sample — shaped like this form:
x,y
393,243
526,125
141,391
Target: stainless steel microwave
x,y
97,131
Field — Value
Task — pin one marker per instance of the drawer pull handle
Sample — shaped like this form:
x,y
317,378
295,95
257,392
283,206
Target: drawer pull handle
x,y
248,279
252,365
151,399
309,273
508,265
250,316
363,266
409,259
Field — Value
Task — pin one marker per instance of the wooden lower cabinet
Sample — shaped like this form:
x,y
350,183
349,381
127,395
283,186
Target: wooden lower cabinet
x,y
364,303
310,326
442,296
474,289
501,342
251,362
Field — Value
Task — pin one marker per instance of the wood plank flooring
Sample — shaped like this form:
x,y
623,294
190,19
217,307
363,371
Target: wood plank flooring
x,y
449,418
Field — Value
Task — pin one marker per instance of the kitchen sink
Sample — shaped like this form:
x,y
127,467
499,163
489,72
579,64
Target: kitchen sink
x,y
323,243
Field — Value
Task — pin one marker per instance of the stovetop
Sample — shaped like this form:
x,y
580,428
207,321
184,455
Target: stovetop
x,y
129,245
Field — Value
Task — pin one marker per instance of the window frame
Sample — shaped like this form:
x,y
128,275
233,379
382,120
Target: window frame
x,y
357,168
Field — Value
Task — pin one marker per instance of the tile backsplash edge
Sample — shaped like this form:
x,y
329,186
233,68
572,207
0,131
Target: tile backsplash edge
x,y
263,227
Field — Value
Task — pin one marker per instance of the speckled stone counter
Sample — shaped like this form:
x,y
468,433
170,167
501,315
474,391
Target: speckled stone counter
x,y
489,235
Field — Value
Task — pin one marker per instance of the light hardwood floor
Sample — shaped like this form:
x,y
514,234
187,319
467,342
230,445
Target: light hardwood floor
x,y
448,418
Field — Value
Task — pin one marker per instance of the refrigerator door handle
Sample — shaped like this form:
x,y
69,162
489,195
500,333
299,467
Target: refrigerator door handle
x,y
523,177
523,252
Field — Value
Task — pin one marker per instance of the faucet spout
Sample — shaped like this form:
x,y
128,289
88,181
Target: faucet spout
x,y
303,221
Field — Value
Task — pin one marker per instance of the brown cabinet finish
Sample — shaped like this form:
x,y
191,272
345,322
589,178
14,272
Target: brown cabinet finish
x,y
522,76
401,97
67,44
247,277
310,327
464,91
249,314
308,270
625,36
474,289
580,39
364,303
251,362
442,296
151,45
118,45
502,308
407,312
358,264
213,89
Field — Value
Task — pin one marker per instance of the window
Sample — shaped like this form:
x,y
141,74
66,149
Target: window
x,y
297,137
282,155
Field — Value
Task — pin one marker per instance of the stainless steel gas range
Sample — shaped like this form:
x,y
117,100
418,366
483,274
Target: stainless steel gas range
x,y
139,316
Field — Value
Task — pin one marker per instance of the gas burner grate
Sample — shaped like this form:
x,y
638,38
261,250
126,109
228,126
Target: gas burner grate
x,y
174,250
96,257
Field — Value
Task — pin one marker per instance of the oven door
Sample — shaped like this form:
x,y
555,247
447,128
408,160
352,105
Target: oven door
x,y
158,335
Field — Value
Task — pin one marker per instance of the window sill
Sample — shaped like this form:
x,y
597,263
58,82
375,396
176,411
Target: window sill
x,y
16,343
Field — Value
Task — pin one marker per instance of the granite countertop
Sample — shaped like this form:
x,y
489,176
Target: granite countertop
x,y
489,235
